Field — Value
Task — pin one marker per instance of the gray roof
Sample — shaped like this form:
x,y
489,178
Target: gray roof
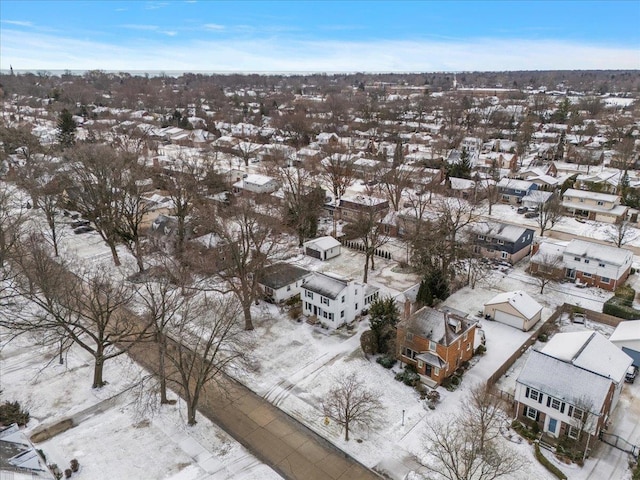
x,y
325,285
437,325
502,231
282,274
572,384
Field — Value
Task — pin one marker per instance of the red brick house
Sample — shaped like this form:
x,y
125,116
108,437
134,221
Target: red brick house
x,y
435,342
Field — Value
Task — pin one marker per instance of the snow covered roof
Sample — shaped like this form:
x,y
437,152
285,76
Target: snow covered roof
x,y
519,300
363,200
590,351
627,330
437,325
514,184
281,274
257,179
17,452
586,194
597,251
325,285
322,243
569,383
502,231
538,196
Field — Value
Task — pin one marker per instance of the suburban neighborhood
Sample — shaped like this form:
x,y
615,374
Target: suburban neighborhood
x,y
406,276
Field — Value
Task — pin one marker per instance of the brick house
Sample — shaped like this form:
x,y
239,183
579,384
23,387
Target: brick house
x,y
351,207
435,342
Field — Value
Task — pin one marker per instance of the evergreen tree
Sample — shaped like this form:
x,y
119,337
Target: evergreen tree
x,y
383,317
66,129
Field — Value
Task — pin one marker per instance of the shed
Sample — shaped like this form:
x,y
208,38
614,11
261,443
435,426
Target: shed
x,y
516,309
627,337
322,248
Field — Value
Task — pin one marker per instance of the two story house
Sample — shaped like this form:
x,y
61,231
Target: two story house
x,y
502,241
435,342
333,300
511,190
602,207
351,207
577,400
590,263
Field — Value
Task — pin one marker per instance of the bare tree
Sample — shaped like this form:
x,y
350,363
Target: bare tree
x,y
338,172
247,151
469,447
48,200
206,340
621,233
545,266
89,309
367,229
349,402
549,213
395,182
249,241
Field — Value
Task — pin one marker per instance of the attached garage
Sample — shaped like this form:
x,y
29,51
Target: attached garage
x,y
516,309
627,337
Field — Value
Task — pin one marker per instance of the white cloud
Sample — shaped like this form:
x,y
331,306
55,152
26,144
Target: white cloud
x,y
135,26
18,23
41,51
213,26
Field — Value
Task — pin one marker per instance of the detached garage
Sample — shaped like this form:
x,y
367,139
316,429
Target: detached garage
x,y
627,337
516,309
322,248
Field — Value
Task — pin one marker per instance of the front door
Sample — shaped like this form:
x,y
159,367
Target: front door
x,y
571,273
428,369
553,424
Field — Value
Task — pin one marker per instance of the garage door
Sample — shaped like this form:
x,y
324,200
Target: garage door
x,y
509,319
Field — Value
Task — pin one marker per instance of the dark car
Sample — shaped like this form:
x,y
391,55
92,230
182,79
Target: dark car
x,y
85,229
631,374
80,223
531,215
522,209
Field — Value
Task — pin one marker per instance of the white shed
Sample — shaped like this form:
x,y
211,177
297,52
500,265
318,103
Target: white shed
x,y
322,248
626,336
516,309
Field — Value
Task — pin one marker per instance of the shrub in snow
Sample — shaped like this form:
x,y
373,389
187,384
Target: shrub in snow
x,y
67,473
75,465
11,412
387,361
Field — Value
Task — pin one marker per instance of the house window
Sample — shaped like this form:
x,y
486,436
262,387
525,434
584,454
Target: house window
x,y
468,347
436,371
533,394
577,259
504,255
582,200
585,274
578,414
307,305
420,364
288,288
331,317
586,260
342,314
555,404
324,314
601,264
531,413
409,336
480,237
600,203
505,198
407,352
518,191
342,298
308,294
268,290
573,432
356,306
324,301
605,279
432,346
500,242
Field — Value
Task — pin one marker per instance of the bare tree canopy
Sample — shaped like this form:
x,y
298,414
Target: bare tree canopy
x,y
350,403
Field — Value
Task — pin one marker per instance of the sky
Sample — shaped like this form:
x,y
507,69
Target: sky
x,y
325,36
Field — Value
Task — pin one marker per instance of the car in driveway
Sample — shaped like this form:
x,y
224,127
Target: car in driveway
x,y
80,223
531,215
632,373
83,229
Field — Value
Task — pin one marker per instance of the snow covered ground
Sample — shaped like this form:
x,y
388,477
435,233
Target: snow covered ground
x,y
118,435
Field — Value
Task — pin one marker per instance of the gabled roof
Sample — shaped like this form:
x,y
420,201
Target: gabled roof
x,y
564,381
590,351
627,330
597,251
515,184
519,300
281,274
502,231
325,285
588,195
322,243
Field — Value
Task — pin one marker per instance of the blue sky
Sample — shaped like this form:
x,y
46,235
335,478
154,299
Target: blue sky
x,y
246,36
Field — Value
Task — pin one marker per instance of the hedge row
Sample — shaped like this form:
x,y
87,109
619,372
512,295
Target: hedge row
x,y
615,306
547,464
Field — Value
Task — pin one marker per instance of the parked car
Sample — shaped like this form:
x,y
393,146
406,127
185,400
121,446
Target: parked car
x,y
80,223
632,372
522,209
85,229
531,215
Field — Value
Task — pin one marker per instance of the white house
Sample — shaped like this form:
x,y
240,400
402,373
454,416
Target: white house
x,y
282,281
571,386
323,248
334,300
603,266
626,336
516,309
256,183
